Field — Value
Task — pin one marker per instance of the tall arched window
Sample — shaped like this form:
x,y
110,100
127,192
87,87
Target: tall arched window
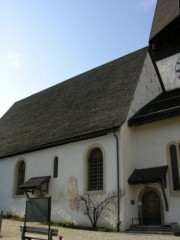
x,y
55,168
20,177
175,166
95,170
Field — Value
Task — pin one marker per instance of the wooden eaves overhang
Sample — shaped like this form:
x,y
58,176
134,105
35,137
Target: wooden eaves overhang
x,y
35,183
151,175
166,105
62,142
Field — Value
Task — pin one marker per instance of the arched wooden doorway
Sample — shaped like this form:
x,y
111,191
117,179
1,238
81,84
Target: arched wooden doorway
x,y
151,210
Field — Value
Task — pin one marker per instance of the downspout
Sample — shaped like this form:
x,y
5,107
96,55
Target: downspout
x,y
118,188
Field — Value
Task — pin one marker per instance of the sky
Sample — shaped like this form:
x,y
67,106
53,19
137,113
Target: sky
x,y
44,42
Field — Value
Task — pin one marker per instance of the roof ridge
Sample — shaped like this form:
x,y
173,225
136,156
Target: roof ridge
x,y
86,72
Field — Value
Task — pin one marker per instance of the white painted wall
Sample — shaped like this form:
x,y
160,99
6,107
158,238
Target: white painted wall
x,y
148,87
70,181
143,147
167,70
140,147
126,155
149,149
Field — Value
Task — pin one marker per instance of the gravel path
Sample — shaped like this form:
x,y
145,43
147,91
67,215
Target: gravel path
x,y
10,231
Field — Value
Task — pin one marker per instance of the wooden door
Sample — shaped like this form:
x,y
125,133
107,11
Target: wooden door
x,y
151,213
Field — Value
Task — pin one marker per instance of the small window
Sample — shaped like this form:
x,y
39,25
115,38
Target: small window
x,y
175,164
95,170
55,170
20,177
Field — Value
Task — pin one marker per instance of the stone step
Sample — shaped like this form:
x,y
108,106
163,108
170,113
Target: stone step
x,y
156,229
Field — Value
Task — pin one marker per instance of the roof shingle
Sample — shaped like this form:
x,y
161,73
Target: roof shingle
x,y
92,102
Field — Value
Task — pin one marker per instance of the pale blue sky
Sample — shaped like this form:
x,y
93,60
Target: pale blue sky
x,y
44,42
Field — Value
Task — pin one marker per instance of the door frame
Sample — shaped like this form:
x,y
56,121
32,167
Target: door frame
x,y
140,207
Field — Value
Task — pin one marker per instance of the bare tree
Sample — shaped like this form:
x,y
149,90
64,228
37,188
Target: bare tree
x,y
95,206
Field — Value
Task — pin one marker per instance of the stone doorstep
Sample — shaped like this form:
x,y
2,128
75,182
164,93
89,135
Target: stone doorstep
x,y
152,229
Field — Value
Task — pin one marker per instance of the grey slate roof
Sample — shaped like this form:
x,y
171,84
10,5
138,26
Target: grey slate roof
x,y
94,102
166,105
166,11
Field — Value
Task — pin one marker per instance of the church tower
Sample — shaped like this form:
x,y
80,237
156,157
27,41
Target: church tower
x,y
165,41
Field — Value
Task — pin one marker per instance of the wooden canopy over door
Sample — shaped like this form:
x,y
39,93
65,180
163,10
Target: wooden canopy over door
x,y
151,213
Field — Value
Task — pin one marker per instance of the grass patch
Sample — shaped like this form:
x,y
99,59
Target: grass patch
x,y
80,227
65,225
14,217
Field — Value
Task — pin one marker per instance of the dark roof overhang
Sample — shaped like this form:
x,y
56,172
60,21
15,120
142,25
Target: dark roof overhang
x,y
35,183
166,105
166,11
62,142
153,117
148,175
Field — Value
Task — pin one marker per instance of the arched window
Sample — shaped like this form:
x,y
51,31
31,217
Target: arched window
x,y
95,170
20,177
55,168
175,166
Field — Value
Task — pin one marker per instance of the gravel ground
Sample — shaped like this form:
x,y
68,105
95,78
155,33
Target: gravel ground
x,y
10,231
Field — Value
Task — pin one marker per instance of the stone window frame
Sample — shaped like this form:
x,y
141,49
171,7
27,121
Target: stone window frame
x,y
174,188
86,182
20,171
55,167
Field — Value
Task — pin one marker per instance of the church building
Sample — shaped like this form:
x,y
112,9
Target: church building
x,y
113,128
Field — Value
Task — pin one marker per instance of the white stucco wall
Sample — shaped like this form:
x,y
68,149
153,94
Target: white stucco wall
x,y
70,181
146,147
128,211
167,70
139,147
148,87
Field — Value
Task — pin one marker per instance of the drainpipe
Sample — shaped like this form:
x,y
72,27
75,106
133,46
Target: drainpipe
x,y
118,188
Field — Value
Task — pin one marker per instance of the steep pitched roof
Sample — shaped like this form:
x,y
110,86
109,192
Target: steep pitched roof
x,y
90,104
166,105
166,11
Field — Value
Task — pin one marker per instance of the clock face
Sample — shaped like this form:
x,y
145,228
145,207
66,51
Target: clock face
x,y
177,68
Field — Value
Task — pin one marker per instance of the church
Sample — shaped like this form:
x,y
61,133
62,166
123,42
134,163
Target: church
x,y
114,127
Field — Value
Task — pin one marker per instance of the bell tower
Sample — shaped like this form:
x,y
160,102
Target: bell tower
x,y
164,41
